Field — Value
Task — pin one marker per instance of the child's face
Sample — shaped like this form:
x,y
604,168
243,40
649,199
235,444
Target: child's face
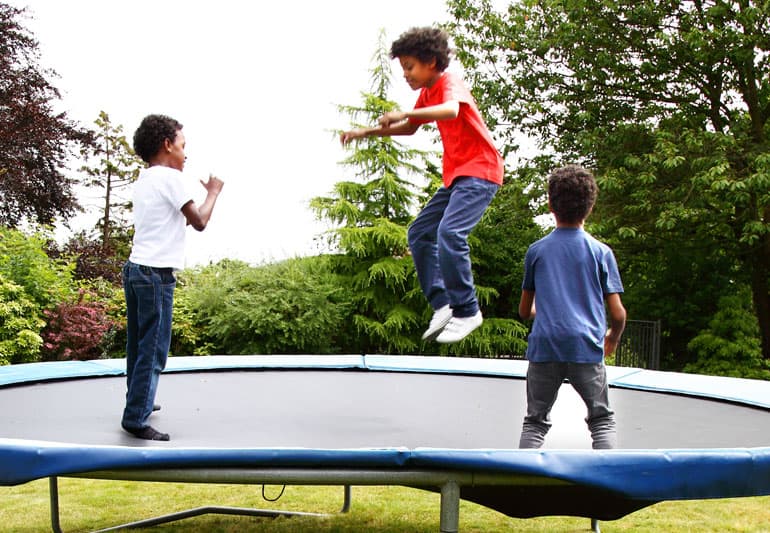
x,y
417,73
176,155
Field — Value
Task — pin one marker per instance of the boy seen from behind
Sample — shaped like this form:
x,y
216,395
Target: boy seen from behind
x,y
569,278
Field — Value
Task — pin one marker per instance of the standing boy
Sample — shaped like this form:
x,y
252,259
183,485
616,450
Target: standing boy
x,y
162,209
571,276
472,173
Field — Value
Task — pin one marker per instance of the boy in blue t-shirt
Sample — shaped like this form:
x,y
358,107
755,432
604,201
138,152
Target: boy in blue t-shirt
x,y
574,276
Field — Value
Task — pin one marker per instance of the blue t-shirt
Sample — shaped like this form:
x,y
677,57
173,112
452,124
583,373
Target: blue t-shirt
x,y
571,273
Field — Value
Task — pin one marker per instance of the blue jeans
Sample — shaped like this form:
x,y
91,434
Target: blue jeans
x,y
149,302
590,382
438,240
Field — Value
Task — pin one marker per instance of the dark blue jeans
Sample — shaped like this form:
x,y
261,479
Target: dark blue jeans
x,y
438,240
149,302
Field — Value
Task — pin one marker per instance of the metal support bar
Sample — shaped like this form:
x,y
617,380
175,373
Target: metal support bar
x,y
595,526
53,489
448,481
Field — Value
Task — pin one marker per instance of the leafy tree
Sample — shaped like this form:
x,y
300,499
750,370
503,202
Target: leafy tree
x,y
111,166
668,101
92,259
35,142
372,214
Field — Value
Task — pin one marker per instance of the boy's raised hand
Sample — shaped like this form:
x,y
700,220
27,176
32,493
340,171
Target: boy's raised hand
x,y
213,185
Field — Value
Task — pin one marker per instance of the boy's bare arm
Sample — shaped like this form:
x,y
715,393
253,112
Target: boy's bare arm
x,y
617,323
444,111
198,217
398,123
402,128
527,305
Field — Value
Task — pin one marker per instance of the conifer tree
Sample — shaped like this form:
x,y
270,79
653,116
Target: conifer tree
x,y
370,215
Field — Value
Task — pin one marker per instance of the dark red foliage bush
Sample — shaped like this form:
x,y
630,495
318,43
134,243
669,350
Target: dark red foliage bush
x,y
76,330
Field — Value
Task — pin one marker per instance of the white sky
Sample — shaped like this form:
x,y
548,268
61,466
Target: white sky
x,y
255,85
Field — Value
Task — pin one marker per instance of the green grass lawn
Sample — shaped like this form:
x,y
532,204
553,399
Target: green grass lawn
x,y
95,504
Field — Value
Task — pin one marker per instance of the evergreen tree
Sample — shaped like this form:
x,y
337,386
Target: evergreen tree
x,y
111,166
371,214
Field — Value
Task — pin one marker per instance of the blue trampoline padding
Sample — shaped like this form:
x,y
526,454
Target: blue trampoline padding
x,y
746,391
30,372
447,365
271,362
646,475
27,372
653,475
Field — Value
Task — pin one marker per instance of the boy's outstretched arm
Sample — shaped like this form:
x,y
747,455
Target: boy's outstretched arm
x,y
402,128
198,217
617,323
397,122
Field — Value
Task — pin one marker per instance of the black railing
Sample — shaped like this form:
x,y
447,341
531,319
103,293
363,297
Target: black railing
x,y
640,345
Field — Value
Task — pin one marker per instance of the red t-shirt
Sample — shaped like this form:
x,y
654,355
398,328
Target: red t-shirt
x,y
468,146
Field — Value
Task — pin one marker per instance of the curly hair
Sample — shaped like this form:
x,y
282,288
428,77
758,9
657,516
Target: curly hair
x,y
572,192
152,132
425,44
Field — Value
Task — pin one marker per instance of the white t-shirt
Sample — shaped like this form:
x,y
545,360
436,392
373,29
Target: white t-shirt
x,y
159,224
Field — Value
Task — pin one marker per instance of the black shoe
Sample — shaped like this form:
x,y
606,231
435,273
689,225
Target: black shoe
x,y
148,433
155,407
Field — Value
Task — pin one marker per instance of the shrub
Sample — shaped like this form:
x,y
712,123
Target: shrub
x,y
19,325
77,330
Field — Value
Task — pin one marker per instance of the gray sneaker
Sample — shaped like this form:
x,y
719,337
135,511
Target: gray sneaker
x,y
441,318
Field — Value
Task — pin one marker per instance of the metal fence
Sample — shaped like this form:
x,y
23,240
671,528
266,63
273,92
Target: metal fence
x,y
640,345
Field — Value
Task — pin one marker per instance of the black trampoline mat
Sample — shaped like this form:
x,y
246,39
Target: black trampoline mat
x,y
340,409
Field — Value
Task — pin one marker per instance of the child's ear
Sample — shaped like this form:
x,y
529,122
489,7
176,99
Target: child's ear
x,y
167,144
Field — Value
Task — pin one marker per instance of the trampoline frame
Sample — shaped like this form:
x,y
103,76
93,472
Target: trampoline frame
x,y
447,482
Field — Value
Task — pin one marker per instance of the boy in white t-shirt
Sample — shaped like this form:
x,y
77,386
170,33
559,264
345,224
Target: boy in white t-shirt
x,y
162,210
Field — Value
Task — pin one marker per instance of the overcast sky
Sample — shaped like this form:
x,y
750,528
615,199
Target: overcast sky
x,y
254,83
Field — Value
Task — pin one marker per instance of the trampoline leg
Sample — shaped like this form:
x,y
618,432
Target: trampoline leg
x,y
346,501
595,526
450,507
53,491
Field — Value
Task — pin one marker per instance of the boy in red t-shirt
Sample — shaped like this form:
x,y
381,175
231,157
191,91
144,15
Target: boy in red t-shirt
x,y
472,173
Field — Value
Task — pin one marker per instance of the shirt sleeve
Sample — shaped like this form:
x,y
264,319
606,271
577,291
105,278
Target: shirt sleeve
x,y
175,192
611,283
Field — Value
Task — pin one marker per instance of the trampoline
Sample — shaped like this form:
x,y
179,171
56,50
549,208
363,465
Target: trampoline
x,y
445,424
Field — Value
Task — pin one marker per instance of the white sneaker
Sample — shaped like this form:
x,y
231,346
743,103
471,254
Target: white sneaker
x,y
441,318
459,328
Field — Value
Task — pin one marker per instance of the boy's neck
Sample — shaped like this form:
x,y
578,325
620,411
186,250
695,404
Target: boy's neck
x,y
434,79
576,225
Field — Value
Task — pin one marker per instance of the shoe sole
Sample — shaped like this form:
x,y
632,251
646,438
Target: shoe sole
x,y
430,335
